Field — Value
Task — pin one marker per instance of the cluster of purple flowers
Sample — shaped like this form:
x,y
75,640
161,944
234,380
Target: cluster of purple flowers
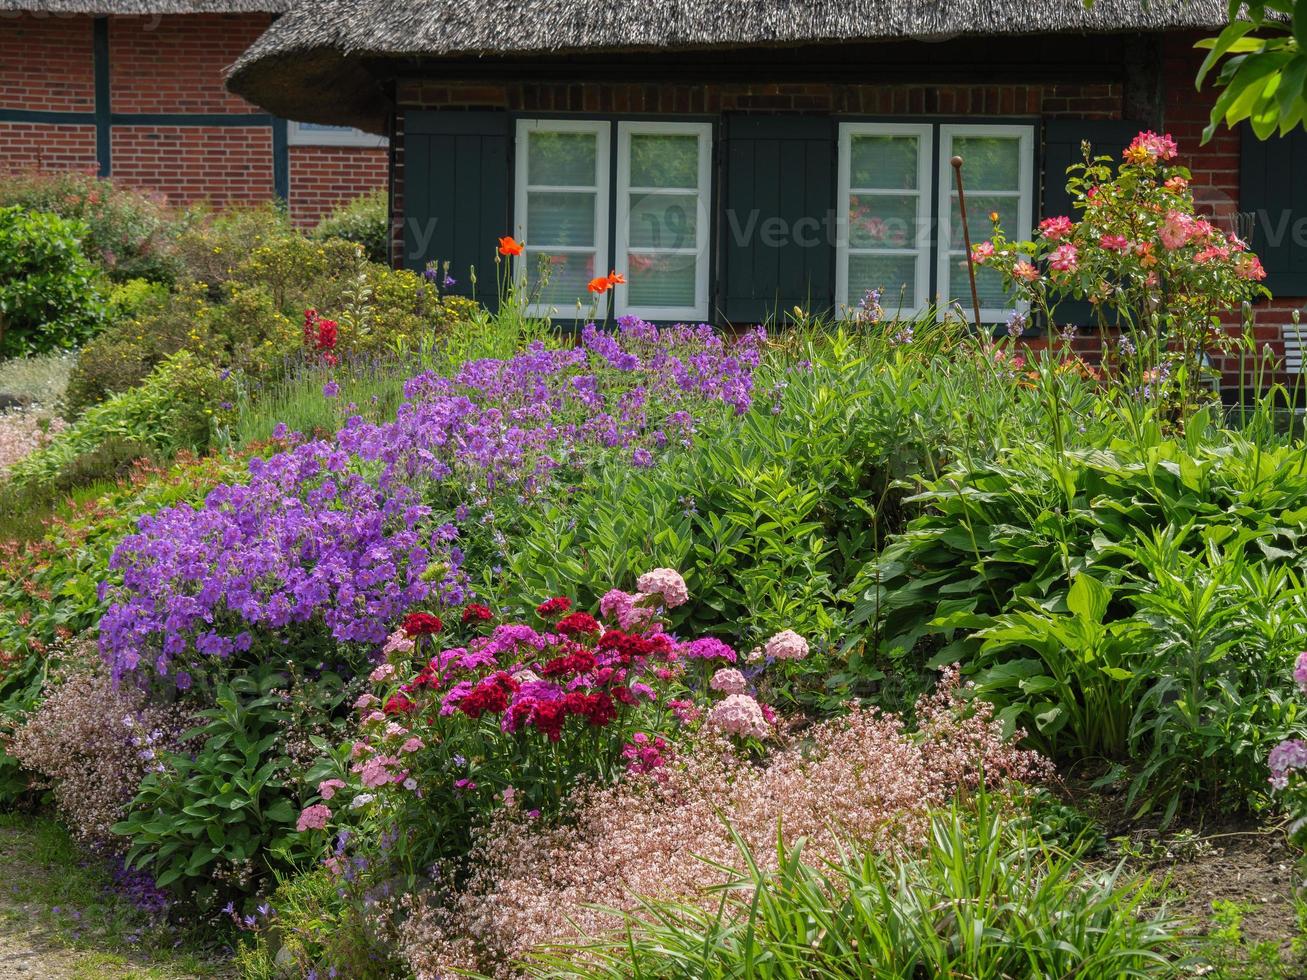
x,y
337,531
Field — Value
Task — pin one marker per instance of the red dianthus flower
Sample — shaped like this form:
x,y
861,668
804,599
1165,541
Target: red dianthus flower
x,y
476,613
578,623
554,607
422,624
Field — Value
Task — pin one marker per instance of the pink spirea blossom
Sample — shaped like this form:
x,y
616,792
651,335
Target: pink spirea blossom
x,y
739,715
313,818
728,680
786,645
1065,258
666,582
1056,229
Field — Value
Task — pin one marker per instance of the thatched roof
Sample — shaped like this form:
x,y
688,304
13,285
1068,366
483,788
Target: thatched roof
x,y
310,64
135,7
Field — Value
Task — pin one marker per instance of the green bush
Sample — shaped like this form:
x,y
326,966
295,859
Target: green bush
x,y
364,221
178,406
130,234
212,246
219,822
49,294
988,898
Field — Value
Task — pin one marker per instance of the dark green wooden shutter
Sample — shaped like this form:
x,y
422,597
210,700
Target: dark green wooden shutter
x,y
778,202
1062,139
1273,188
457,195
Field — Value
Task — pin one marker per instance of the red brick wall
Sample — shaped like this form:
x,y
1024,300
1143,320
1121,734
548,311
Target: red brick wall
x,y
161,65
178,64
323,177
45,63
222,165
32,146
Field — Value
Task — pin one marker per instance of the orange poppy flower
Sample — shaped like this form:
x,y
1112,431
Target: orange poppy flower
x,y
600,286
508,245
616,279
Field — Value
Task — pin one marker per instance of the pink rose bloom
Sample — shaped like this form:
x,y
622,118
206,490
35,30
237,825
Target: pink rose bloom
x,y
982,252
313,818
786,645
728,680
666,582
327,788
1055,229
739,715
1025,271
1175,230
1064,259
1248,266
1114,243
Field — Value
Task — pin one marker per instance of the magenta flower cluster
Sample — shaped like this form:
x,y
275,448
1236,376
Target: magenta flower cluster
x,y
337,532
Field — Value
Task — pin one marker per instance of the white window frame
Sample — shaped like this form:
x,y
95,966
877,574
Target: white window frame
x,y
1025,194
600,129
298,135
703,219
925,133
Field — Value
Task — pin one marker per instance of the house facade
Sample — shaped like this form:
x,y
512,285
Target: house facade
x,y
135,89
734,161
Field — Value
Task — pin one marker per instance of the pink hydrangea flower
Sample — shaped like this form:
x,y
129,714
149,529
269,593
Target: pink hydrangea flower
x,y
365,701
786,645
739,715
313,818
666,582
327,788
624,608
728,680
1286,757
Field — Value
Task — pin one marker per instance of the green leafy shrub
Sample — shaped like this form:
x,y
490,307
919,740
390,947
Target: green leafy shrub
x,y
365,221
212,246
130,234
49,294
221,820
178,406
988,898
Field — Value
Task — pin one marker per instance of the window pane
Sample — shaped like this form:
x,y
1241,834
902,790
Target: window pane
x,y
560,218
979,208
664,160
664,220
567,159
894,275
990,163
660,280
989,285
888,162
884,220
567,278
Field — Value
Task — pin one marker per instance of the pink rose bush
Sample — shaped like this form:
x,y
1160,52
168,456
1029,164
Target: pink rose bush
x,y
1138,251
